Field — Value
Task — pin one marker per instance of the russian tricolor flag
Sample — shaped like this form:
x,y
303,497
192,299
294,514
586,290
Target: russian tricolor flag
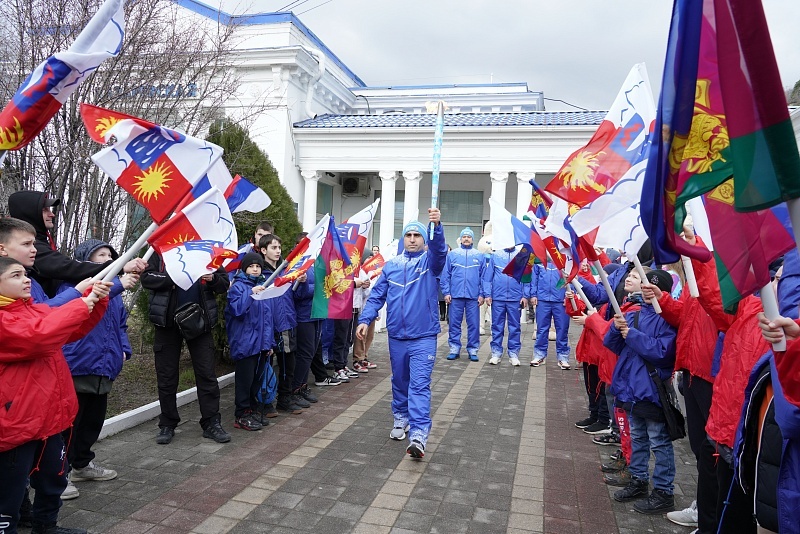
x,y
241,194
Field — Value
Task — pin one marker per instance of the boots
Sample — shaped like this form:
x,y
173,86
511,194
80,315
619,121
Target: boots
x,y
658,502
634,490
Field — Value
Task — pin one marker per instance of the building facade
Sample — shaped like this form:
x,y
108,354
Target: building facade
x,y
338,144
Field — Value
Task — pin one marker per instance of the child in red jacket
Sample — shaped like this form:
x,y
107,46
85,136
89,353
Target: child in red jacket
x,y
37,398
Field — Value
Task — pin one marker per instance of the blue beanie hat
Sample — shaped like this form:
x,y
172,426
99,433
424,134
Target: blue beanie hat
x,y
467,231
416,226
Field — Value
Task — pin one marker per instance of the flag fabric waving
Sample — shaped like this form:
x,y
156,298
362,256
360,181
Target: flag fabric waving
x,y
617,147
46,88
510,232
373,266
197,240
241,194
156,165
333,272
764,151
98,121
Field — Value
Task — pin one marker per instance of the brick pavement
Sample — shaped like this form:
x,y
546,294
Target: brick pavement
x,y
503,456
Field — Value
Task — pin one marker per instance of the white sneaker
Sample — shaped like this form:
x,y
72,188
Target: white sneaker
x,y
494,360
92,471
686,517
514,361
342,376
70,492
398,433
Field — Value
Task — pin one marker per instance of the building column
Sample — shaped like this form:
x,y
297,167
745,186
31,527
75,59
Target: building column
x,y
411,203
311,178
388,182
499,180
524,192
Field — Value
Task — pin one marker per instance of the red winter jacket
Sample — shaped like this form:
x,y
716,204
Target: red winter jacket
x,y
742,348
37,397
585,350
697,333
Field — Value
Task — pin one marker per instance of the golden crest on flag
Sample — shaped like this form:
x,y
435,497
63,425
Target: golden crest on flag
x,y
10,139
708,136
723,192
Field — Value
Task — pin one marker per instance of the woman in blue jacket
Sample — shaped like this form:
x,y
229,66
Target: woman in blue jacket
x,y
640,339
248,323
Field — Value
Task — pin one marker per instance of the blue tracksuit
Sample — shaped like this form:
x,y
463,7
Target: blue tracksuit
x,y
550,307
409,284
506,294
461,279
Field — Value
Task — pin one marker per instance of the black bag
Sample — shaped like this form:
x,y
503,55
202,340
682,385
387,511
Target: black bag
x,y
676,424
191,320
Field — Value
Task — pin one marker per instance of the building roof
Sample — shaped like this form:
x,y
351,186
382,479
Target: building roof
x,y
408,120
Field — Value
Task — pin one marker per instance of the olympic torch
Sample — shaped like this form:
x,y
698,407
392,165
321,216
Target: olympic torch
x,y
437,157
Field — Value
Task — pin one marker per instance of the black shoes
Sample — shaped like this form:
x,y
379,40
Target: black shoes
x,y
598,427
613,466
307,394
620,479
659,502
165,435
634,490
248,421
416,450
52,528
287,404
214,431
300,401
583,423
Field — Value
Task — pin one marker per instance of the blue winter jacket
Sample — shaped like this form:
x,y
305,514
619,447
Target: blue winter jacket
x,y
596,293
65,294
101,351
283,311
463,273
248,322
409,287
500,286
652,340
303,299
544,284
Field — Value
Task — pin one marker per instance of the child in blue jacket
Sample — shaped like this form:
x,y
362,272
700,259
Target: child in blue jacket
x,y
251,338
95,361
643,338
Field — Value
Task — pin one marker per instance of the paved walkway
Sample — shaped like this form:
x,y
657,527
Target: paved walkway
x,y
503,456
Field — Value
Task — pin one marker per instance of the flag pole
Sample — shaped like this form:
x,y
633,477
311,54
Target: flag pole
x,y
654,301
582,295
770,303
115,267
572,299
612,299
437,157
691,279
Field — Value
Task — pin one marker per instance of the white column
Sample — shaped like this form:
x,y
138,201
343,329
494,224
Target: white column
x,y
499,180
524,192
411,204
388,182
311,178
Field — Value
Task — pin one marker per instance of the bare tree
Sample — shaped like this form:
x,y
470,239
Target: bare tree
x,y
172,70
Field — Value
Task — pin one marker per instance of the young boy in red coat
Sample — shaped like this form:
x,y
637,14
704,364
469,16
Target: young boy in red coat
x,y
37,397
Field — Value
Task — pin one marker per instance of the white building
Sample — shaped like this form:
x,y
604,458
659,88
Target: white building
x,y
338,144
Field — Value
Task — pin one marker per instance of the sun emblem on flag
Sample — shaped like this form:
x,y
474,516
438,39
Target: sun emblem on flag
x,y
152,183
104,124
579,172
177,240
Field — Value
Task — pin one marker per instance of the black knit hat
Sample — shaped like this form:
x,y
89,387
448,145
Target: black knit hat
x,y
661,279
249,259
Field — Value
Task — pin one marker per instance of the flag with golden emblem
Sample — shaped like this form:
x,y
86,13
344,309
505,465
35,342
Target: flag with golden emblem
x,y
615,151
52,82
156,165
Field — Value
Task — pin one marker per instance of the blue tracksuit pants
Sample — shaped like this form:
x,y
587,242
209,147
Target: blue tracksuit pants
x,y
412,364
502,311
458,308
545,313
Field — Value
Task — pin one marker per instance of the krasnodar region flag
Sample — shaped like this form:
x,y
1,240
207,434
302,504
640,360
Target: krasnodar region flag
x,y
156,165
613,156
197,239
333,271
50,84
299,260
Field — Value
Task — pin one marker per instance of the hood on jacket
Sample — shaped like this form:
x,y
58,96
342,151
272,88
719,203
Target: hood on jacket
x,y
85,250
28,205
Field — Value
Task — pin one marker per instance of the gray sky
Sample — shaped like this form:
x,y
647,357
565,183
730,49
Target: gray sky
x,y
574,50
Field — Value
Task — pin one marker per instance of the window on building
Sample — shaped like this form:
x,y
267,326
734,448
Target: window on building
x,y
460,209
324,199
399,202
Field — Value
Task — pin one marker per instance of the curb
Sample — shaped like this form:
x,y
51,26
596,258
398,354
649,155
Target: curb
x,y
139,415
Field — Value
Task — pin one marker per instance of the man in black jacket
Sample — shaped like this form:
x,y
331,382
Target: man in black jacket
x,y
51,267
165,299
